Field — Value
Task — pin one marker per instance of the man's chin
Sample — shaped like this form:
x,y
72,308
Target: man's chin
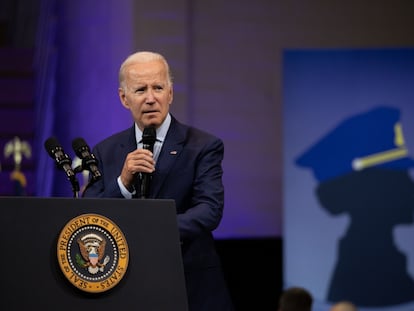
x,y
155,122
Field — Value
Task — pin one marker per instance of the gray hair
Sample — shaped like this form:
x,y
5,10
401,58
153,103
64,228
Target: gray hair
x,y
143,57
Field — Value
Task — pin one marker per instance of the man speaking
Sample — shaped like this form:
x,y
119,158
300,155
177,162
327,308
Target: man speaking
x,y
184,164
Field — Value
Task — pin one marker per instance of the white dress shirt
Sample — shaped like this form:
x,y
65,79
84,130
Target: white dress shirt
x,y
161,133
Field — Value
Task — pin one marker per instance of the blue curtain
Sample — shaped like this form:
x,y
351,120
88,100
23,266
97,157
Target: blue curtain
x,y
45,63
79,49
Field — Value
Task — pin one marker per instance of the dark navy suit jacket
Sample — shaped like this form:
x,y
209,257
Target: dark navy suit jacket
x,y
189,171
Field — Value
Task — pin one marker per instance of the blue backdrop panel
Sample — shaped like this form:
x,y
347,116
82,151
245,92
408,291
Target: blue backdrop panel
x,y
349,194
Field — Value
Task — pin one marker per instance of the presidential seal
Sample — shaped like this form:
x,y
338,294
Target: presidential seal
x,y
93,253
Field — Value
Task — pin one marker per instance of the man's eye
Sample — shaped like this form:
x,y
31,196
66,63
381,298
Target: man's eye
x,y
140,90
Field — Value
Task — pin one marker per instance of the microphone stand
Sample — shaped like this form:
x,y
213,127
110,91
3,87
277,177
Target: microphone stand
x,y
75,186
80,169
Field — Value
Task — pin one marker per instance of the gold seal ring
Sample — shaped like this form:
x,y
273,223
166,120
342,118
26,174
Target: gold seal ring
x,y
92,253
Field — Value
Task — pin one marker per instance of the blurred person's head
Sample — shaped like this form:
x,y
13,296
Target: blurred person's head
x,y
343,306
295,299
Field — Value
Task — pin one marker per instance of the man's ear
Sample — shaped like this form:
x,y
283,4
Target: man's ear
x,y
122,97
171,95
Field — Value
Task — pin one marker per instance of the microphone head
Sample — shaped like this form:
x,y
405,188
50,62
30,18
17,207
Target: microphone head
x,y
52,145
149,135
79,145
56,152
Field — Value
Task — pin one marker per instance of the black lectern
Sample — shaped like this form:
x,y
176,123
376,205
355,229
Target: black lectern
x,y
31,275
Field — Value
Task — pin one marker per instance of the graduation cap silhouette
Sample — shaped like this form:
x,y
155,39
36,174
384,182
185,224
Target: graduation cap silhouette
x,y
371,139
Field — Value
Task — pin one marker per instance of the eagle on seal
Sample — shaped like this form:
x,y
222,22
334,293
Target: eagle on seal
x,y
92,249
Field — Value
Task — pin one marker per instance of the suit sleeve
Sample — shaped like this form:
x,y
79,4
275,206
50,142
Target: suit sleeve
x,y
207,198
107,186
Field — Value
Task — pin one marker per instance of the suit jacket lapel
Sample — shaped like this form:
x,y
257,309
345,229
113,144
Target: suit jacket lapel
x,y
170,151
128,143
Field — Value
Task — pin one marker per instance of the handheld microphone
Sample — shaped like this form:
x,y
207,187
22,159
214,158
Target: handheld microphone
x,y
89,161
63,161
149,136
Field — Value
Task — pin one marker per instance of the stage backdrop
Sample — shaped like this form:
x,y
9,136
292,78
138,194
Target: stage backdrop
x,y
348,192
86,43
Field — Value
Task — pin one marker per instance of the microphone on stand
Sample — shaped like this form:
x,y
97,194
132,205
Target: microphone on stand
x,y
149,136
89,161
63,162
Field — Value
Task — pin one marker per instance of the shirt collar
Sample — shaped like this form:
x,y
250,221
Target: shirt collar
x,y
161,131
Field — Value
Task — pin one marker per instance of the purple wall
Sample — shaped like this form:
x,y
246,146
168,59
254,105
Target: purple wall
x,y
208,91
226,57
92,43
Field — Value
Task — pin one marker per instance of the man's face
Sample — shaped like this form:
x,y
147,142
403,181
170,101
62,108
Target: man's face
x,y
147,93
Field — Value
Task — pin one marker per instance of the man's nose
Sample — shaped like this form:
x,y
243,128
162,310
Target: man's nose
x,y
150,96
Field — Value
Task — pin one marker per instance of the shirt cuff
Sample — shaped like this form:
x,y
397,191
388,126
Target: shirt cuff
x,y
124,190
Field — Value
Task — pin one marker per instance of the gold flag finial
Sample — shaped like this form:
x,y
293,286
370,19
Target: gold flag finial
x,y
18,149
